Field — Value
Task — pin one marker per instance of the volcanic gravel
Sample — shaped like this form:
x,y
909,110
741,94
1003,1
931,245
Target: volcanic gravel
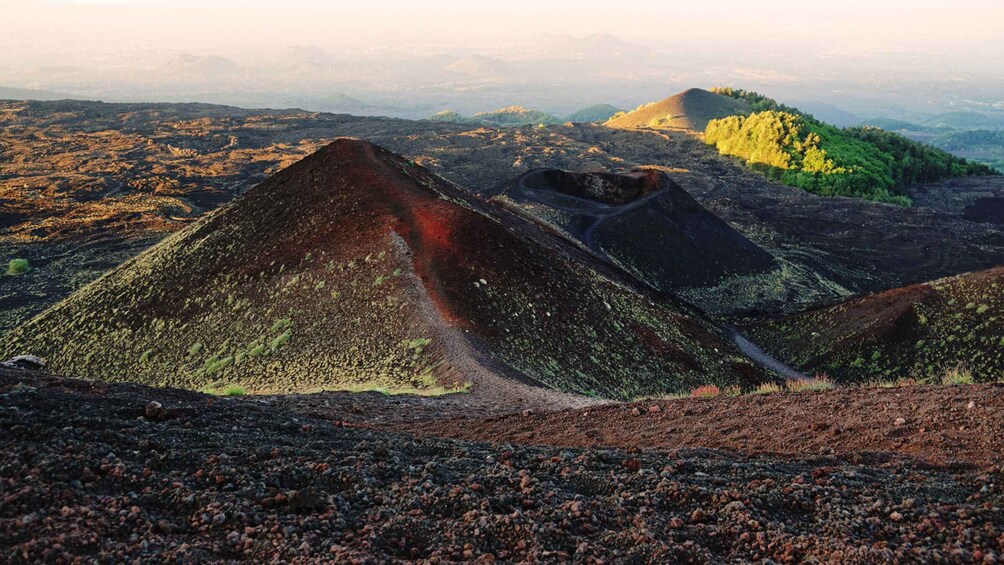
x,y
956,427
94,472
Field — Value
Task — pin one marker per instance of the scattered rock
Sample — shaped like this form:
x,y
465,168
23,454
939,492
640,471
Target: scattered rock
x,y
24,362
268,492
22,388
900,421
305,499
155,411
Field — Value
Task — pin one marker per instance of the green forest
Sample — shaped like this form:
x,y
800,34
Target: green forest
x,y
800,151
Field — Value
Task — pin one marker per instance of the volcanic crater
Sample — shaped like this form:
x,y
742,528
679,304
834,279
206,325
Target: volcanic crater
x,y
358,269
641,221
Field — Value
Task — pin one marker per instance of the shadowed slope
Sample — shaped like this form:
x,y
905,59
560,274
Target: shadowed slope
x,y
355,267
691,109
641,221
948,327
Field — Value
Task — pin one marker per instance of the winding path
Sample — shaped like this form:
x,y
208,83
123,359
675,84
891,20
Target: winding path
x,y
765,360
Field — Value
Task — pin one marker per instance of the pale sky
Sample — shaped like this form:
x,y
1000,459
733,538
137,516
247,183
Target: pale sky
x,y
86,26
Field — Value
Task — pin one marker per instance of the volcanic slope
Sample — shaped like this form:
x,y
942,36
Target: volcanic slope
x,y
952,327
356,268
642,221
691,109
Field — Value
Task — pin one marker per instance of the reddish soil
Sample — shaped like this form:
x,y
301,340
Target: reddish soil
x,y
938,425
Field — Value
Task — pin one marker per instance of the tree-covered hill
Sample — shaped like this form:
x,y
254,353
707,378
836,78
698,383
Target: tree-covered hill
x,y
798,150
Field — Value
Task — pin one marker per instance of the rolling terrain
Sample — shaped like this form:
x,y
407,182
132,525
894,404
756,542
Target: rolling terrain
x,y
86,185
357,268
436,338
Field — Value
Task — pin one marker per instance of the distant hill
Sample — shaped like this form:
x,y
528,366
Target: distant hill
x,y
480,66
983,146
302,57
206,67
10,93
923,331
966,121
357,269
973,136
691,109
512,116
596,113
828,113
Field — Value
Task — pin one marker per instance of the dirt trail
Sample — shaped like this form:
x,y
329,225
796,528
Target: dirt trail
x,y
765,360
942,425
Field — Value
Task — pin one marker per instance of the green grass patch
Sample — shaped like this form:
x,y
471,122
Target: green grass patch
x,y
18,267
220,389
768,388
957,376
396,390
816,383
417,346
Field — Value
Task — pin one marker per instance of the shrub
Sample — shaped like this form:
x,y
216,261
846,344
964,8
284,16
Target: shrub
x,y
733,390
706,391
279,341
234,390
819,382
902,382
957,376
768,388
18,267
417,346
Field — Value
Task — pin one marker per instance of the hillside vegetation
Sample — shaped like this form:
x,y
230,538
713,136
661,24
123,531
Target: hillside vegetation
x,y
948,329
357,269
800,151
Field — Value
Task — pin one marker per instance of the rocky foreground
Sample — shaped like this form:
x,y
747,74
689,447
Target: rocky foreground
x,y
95,472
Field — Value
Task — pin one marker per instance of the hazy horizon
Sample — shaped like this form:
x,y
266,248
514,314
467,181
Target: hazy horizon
x,y
408,58
850,26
